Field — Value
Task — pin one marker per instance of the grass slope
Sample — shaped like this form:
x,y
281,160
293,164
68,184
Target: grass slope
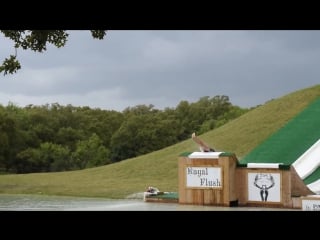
x,y
292,140
160,168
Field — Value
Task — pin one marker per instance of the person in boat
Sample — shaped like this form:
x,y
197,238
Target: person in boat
x,y
150,191
153,190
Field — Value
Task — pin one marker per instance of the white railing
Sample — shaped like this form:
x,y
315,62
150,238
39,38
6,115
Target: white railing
x,y
308,161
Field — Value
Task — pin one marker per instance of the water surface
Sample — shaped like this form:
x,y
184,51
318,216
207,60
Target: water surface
x,y
21,202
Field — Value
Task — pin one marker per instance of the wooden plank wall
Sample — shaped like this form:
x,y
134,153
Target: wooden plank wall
x,y
287,185
208,196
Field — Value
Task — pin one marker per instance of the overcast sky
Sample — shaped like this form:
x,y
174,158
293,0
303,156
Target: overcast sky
x,y
162,68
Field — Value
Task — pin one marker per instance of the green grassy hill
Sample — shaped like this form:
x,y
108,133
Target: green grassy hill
x,y
160,168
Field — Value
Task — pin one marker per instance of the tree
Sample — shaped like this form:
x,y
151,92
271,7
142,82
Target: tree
x,y
90,153
36,40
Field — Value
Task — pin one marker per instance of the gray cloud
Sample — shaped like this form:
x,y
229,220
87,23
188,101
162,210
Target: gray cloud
x,y
164,67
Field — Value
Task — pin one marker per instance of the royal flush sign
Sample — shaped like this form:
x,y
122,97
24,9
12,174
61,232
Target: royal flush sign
x,y
203,177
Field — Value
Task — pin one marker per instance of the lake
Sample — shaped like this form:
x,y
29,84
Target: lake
x,y
22,202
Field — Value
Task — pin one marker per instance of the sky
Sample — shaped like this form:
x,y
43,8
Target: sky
x,y
142,67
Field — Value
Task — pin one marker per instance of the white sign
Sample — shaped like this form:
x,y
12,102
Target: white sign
x,y
310,205
204,177
264,187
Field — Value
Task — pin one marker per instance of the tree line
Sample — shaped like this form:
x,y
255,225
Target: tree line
x,y
51,137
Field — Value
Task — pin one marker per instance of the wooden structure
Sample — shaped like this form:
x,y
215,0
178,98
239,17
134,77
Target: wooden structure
x,y
217,178
279,186
207,178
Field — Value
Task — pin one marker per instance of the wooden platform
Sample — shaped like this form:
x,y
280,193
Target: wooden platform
x,y
170,197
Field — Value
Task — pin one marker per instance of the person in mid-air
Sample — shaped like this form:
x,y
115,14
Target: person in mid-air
x,y
202,145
